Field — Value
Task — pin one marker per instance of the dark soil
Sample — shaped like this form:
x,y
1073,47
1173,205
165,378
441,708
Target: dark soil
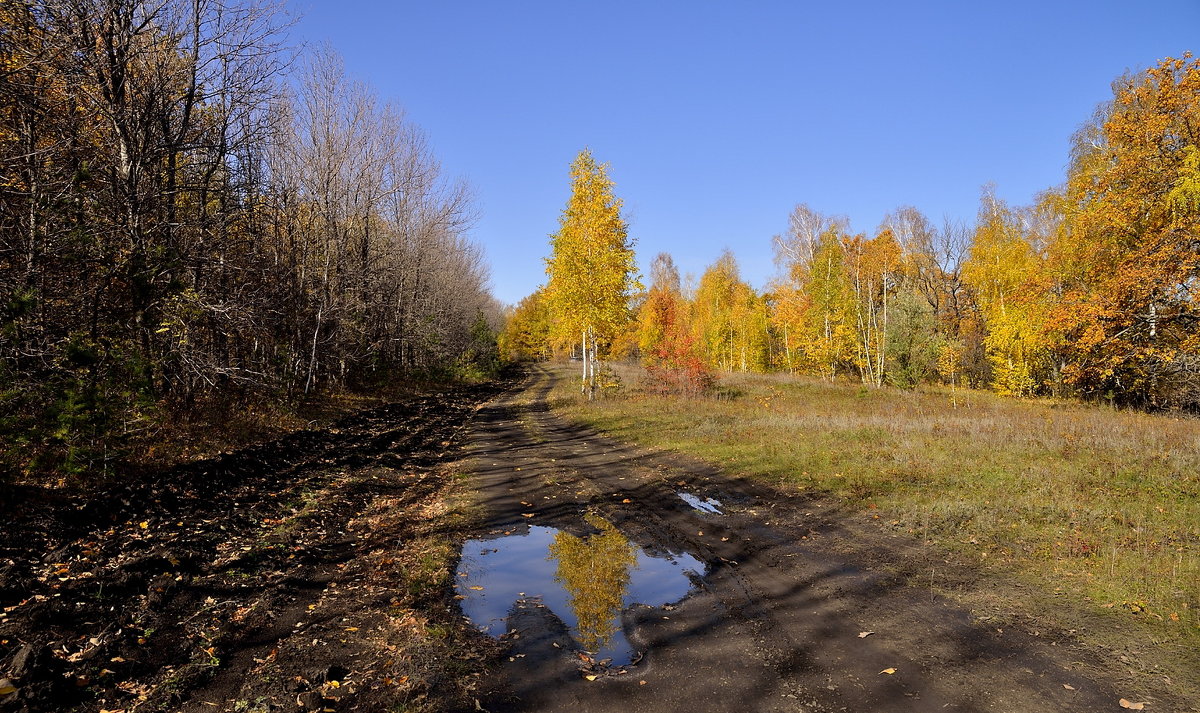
x,y
308,573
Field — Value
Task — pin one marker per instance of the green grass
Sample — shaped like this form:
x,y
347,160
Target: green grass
x,y
1083,499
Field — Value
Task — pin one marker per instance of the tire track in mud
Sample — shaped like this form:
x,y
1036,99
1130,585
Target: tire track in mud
x,y
774,622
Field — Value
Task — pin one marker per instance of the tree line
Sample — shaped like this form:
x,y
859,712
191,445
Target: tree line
x,y
1090,291
194,213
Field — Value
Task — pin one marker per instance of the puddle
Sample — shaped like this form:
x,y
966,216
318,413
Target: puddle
x,y
587,582
703,505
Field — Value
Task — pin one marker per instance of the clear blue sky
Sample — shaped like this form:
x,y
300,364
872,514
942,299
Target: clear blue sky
x,y
716,118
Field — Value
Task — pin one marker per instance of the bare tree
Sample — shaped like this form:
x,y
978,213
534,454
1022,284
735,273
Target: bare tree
x,y
180,225
805,228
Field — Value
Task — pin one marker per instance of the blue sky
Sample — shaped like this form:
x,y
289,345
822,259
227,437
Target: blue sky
x,y
717,118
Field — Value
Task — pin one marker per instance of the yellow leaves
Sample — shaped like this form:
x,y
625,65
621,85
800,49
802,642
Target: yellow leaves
x,y
1185,193
527,332
729,320
591,266
888,671
1131,705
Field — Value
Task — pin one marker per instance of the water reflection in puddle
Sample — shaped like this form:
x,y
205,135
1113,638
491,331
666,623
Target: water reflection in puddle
x,y
703,505
587,582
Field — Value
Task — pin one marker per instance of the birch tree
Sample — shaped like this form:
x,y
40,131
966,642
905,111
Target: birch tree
x,y
591,266
1006,274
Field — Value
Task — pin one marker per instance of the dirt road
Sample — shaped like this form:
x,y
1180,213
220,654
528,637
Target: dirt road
x,y
783,606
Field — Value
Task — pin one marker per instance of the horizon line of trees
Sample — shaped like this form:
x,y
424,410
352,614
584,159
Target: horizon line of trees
x,y
193,213
1089,292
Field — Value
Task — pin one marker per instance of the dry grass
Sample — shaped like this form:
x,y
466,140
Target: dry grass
x,y
1082,499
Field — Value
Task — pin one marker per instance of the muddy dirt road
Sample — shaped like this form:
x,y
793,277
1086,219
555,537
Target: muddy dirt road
x,y
625,581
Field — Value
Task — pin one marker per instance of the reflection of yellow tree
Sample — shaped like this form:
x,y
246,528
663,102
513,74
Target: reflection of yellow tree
x,y
595,571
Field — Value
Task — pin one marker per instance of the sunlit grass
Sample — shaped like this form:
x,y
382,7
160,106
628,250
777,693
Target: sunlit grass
x,y
1095,502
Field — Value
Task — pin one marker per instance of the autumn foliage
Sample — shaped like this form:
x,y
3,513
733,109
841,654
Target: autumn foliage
x,y
1089,291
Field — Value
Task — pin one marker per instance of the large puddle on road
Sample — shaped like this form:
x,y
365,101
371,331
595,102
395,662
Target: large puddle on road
x,y
587,582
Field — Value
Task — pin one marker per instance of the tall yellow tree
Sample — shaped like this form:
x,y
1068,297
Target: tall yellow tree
x,y
591,266
789,307
828,338
1008,277
729,320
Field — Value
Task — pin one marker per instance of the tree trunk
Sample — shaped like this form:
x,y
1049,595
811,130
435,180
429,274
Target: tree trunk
x,y
584,354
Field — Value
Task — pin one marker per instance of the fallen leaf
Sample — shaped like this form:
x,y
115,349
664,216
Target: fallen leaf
x,y
590,677
527,514
641,683
1132,706
888,671
1068,686
7,687
351,628
476,588
626,500
864,634
144,524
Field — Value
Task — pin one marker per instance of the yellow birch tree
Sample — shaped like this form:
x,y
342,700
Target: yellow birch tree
x,y
1007,276
591,266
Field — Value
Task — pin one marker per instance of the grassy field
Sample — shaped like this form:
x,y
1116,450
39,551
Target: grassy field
x,y
1091,502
